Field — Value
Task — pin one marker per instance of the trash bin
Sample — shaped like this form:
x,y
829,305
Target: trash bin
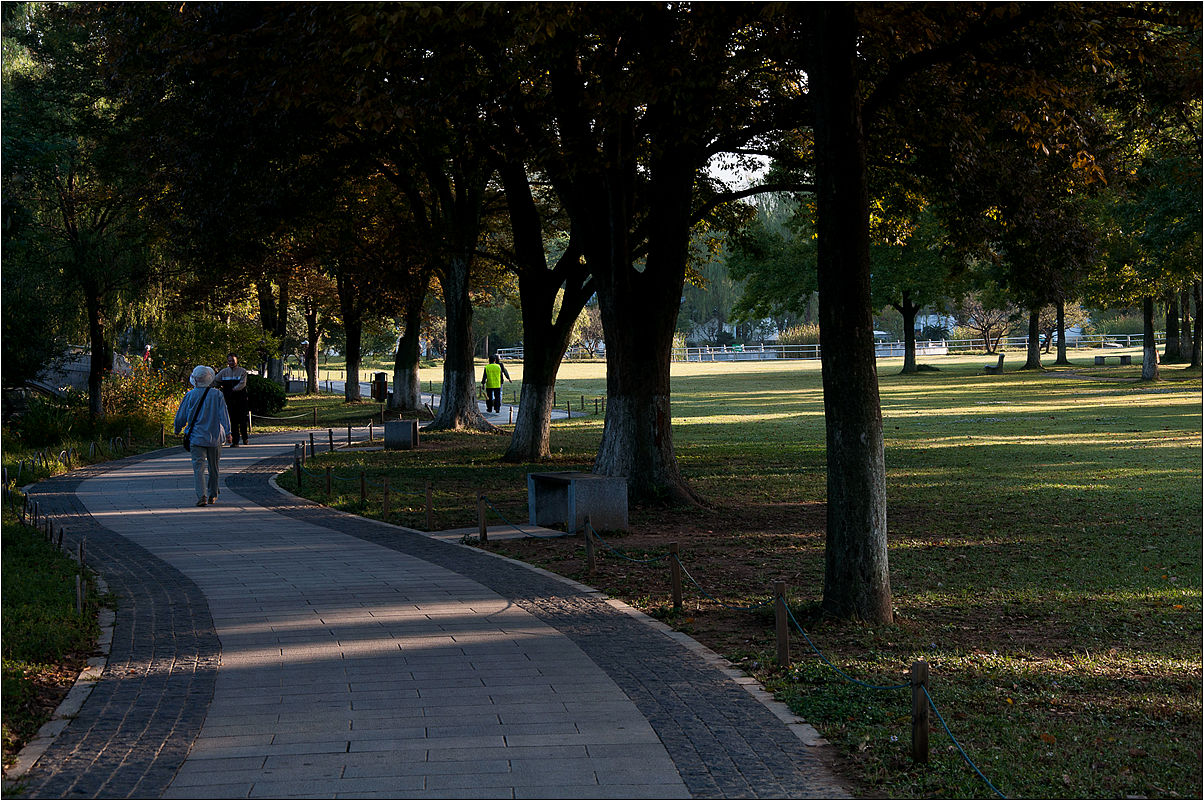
x,y
380,388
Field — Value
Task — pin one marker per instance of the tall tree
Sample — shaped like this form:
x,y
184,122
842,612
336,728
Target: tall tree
x,y
71,181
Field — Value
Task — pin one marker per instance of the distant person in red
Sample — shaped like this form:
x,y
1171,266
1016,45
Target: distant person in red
x,y
146,356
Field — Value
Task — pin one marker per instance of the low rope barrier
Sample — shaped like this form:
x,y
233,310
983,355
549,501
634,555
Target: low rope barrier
x,y
961,750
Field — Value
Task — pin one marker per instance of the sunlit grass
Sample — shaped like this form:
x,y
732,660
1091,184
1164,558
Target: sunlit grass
x,y
1045,545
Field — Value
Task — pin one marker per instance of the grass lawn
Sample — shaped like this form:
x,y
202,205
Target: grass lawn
x,y
1045,546
46,643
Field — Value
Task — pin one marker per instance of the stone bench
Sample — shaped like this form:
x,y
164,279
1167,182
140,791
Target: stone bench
x,y
401,435
569,498
1125,358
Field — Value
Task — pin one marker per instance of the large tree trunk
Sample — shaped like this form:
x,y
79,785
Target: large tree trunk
x,y
856,571
458,406
1033,362
407,388
639,315
909,311
1199,328
1149,356
1173,352
546,339
1062,358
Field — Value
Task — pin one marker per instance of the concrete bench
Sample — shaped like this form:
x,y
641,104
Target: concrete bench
x,y
569,498
994,369
1125,358
401,435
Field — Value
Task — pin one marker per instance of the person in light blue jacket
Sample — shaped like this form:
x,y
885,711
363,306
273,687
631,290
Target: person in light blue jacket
x,y
207,433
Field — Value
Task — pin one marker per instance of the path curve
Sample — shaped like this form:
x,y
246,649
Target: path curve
x,y
272,647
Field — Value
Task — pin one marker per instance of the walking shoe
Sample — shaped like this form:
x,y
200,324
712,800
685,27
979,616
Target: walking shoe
x,y
212,499
201,502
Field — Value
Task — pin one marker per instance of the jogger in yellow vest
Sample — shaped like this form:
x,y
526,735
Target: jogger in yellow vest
x,y
492,378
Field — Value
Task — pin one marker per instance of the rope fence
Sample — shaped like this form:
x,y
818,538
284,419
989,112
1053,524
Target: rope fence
x,y
30,515
922,701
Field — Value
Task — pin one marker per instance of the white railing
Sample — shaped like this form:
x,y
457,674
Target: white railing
x,y
768,352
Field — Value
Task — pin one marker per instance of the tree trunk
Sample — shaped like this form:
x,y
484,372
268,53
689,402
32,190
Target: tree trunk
x,y
458,407
311,349
1033,362
273,317
639,315
1149,356
1185,338
546,330
1062,358
101,359
407,388
1173,351
353,325
909,311
856,570
1199,328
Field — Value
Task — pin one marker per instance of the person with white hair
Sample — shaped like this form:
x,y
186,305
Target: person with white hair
x,y
204,414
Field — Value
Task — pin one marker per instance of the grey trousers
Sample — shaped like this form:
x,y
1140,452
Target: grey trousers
x,y
202,457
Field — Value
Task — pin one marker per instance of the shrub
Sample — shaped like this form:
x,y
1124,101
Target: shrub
x,y
143,394
807,334
47,421
264,396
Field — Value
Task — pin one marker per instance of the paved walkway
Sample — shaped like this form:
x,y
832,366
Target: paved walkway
x,y
269,647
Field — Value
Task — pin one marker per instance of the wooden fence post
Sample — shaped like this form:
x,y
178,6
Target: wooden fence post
x,y
297,464
482,529
782,623
315,417
591,563
370,436
675,575
330,433
349,436
313,451
919,712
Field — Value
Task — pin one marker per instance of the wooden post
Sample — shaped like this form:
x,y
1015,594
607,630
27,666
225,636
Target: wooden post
x,y
675,575
430,525
384,503
783,623
315,417
919,712
370,430
483,530
348,435
583,403
313,451
328,483
297,464
330,433
591,562
511,408
382,414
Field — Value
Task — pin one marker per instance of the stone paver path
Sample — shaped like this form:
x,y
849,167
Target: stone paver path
x,y
268,647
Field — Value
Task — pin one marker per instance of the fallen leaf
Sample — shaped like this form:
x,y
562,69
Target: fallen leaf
x,y
1048,738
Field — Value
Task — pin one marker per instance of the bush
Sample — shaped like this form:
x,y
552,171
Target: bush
x,y
47,421
143,394
800,335
264,396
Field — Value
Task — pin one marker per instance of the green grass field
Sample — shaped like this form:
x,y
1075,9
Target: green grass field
x,y
1045,545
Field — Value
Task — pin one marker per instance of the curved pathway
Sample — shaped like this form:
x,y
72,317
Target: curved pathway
x,y
269,647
